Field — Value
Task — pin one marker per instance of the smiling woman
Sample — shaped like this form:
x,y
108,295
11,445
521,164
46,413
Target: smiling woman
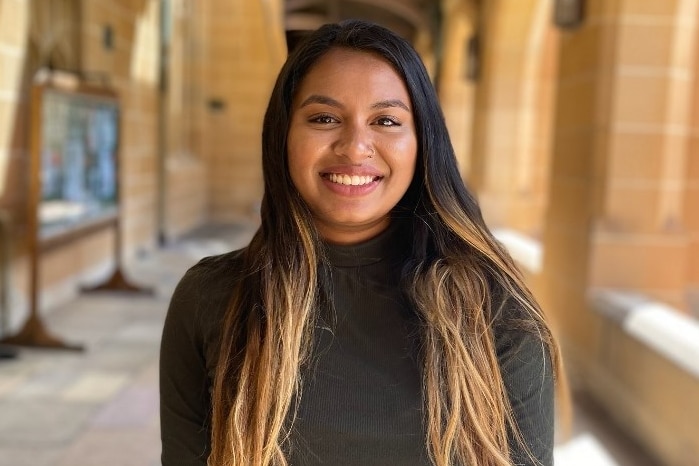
x,y
373,319
352,145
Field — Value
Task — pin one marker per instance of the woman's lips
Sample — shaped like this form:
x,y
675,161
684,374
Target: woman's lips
x,y
350,180
347,184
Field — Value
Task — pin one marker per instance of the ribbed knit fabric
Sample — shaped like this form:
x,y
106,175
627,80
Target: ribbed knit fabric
x,y
361,402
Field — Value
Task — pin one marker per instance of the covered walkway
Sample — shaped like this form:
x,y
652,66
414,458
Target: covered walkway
x,y
100,407
575,123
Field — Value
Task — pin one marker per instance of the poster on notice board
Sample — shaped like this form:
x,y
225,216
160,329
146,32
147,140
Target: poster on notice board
x,y
79,144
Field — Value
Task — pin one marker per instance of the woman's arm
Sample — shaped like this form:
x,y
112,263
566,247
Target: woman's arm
x,y
184,386
528,377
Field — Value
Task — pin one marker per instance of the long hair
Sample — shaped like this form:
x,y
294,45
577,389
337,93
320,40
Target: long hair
x,y
454,268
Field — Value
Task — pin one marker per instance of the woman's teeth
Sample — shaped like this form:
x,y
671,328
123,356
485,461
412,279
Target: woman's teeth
x,y
350,180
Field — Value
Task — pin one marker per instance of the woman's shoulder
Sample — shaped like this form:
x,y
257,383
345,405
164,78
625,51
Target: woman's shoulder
x,y
512,321
212,273
199,305
204,291
220,263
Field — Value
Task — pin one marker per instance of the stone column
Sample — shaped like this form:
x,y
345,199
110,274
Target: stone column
x,y
245,48
456,89
580,148
513,108
640,236
691,203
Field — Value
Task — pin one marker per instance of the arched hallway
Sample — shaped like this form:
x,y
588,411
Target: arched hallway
x,y
100,408
579,140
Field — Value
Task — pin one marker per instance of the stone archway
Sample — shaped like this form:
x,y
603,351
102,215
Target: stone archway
x,y
514,96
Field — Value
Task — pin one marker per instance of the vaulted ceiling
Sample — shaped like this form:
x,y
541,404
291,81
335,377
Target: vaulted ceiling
x,y
405,17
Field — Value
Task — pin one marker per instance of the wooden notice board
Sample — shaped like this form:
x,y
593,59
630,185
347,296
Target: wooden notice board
x,y
74,183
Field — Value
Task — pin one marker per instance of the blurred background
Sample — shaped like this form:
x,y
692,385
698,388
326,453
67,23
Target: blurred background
x,y
130,148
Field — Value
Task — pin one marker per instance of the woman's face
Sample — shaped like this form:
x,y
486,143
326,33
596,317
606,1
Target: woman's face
x,y
352,146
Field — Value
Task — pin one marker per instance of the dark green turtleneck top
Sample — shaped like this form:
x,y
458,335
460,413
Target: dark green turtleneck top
x,y
362,400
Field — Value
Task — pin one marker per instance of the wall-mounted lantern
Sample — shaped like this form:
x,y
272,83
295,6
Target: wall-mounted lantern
x,y
568,14
473,58
108,37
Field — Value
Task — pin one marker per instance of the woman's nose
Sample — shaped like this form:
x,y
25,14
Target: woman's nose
x,y
355,143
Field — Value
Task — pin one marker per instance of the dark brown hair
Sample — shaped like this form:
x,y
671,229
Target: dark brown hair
x,y
455,265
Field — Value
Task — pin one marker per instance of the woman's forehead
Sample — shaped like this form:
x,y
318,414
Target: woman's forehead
x,y
350,71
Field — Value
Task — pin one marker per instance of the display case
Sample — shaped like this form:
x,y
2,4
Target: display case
x,y
78,149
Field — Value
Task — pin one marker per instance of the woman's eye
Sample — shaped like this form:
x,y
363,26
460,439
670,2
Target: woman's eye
x,y
387,121
323,119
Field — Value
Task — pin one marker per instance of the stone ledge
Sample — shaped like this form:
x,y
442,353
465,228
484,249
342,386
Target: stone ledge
x,y
525,250
661,327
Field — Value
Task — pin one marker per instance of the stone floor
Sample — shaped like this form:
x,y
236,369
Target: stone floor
x,y
99,407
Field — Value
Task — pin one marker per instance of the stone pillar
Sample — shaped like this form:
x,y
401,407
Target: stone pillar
x,y
456,89
245,48
640,239
580,147
621,182
185,193
691,204
513,112
423,43
14,26
130,62
619,209
14,104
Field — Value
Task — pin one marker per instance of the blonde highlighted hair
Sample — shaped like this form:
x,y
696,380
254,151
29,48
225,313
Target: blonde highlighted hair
x,y
454,268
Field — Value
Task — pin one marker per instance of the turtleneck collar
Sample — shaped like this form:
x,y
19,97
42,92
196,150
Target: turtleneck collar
x,y
388,243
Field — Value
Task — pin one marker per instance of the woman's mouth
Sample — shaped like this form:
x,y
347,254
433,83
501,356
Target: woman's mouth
x,y
350,180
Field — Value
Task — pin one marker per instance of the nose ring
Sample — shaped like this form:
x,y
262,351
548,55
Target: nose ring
x,y
371,152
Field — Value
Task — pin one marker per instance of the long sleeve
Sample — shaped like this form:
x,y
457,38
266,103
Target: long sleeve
x,y
528,377
188,354
184,387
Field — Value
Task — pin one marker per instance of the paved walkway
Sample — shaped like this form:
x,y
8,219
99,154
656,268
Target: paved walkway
x,y
100,407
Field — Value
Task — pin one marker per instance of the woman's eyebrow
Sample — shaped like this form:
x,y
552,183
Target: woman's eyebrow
x,y
321,99
391,103
325,100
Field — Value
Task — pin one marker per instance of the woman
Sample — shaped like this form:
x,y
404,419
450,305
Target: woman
x,y
372,319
